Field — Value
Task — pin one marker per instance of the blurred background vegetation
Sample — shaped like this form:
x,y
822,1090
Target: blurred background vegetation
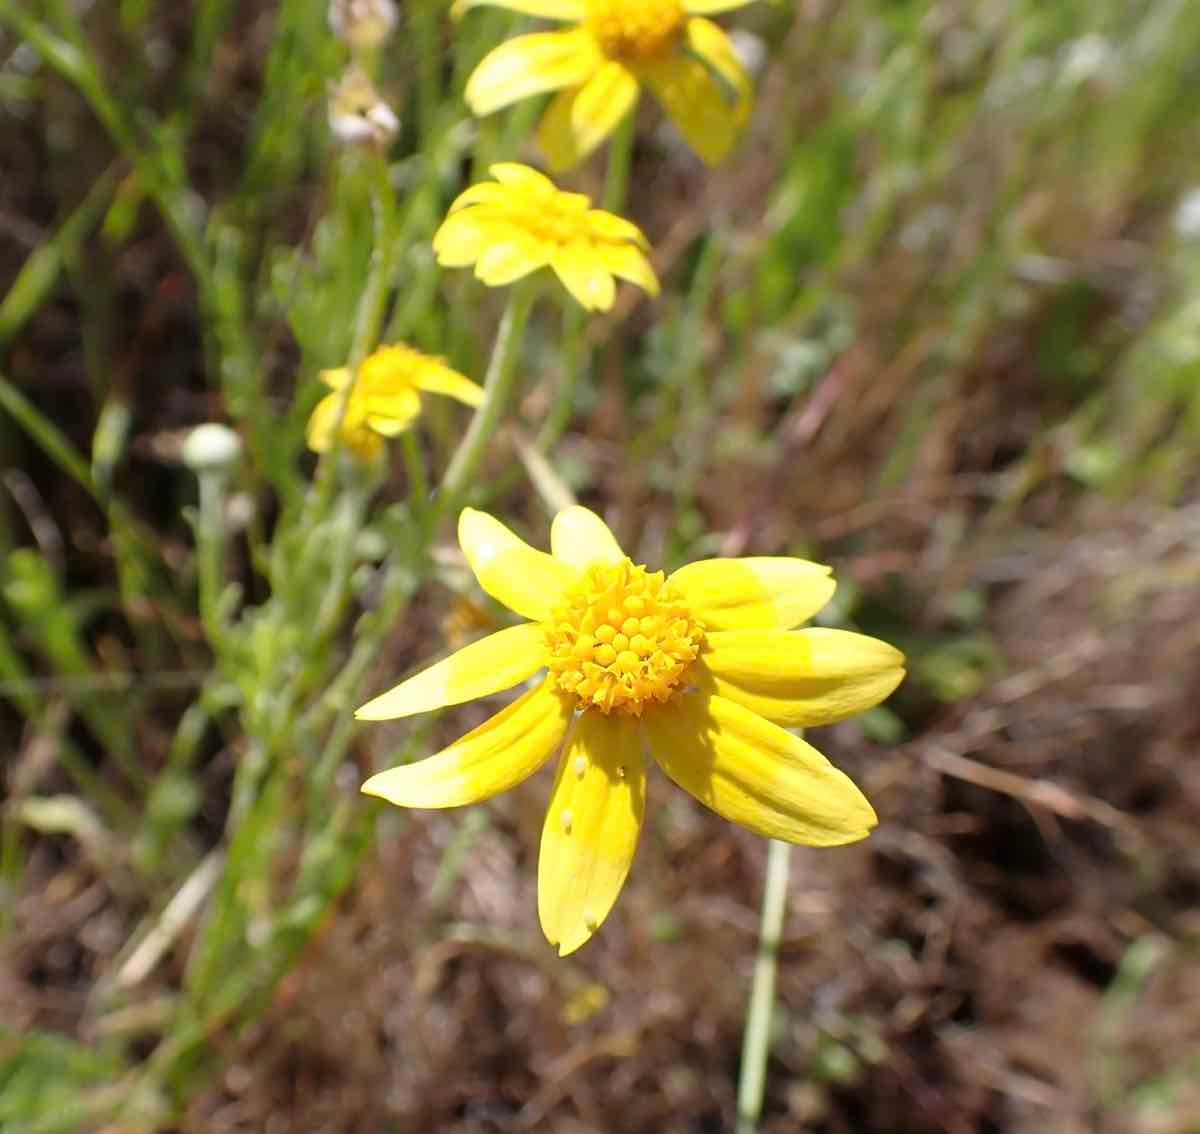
x,y
936,323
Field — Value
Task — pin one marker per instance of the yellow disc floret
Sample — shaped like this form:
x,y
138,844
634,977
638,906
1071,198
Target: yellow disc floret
x,y
554,218
621,639
630,30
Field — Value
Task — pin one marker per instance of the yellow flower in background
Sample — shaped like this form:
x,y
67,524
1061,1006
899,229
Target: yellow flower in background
x,y
599,67
702,668
384,400
521,222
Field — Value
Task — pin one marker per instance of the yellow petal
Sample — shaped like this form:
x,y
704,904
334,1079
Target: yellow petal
x,y
801,678
336,379
756,593
701,7
579,538
697,103
713,46
582,274
598,106
461,238
389,426
554,133
500,753
443,380
481,193
591,828
496,662
514,175
612,227
566,10
522,578
755,773
629,263
507,260
390,414
530,65
323,423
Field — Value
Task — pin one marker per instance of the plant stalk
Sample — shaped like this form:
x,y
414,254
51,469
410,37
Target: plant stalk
x,y
756,1041
498,386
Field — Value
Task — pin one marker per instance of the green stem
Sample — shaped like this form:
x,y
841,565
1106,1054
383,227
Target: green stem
x,y
210,548
756,1042
418,482
620,161
574,356
575,353
426,25
498,387
368,318
372,305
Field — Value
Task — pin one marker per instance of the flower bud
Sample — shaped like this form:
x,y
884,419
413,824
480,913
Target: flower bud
x,y
211,448
363,24
358,115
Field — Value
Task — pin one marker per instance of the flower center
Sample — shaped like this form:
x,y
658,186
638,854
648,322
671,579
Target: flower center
x,y
635,29
559,219
621,638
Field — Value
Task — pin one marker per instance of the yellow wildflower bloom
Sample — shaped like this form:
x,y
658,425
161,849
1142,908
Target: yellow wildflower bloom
x,y
599,66
702,668
521,222
383,401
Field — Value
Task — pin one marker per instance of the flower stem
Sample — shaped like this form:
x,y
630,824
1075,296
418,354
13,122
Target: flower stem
x,y
575,353
756,1041
368,317
418,484
372,304
210,547
498,387
620,161
574,357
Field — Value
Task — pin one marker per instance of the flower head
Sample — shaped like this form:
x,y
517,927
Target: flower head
x,y
383,400
521,222
702,668
599,66
363,24
357,113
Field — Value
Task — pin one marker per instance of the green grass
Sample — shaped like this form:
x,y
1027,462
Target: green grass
x,y
929,209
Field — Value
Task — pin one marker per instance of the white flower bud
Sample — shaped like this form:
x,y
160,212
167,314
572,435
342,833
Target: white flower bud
x,y
363,24
211,448
357,115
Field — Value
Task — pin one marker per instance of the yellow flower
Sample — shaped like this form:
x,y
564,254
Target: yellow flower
x,y
521,222
702,668
599,66
383,401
